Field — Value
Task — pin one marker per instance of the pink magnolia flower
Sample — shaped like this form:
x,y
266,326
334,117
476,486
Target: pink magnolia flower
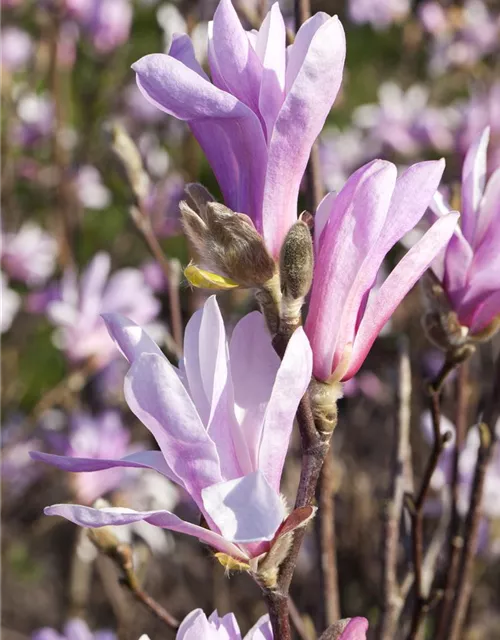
x,y
222,422
196,625
258,116
106,22
470,268
354,231
30,254
81,332
73,629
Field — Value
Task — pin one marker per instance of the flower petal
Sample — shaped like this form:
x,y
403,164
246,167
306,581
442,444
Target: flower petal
x,y
245,510
399,282
92,285
489,209
261,630
291,383
309,99
195,625
321,218
114,516
473,180
131,339
141,459
486,312
158,398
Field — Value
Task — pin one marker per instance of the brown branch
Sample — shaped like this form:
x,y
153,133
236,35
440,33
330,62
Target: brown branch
x,y
327,543
297,621
417,515
488,439
391,597
456,541
277,604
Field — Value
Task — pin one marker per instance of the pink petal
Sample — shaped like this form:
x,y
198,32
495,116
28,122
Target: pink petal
x,y
237,62
489,209
356,629
131,339
114,516
271,49
254,366
310,95
141,459
473,180
291,383
399,282
245,510
321,218
158,398
486,312
458,260
357,216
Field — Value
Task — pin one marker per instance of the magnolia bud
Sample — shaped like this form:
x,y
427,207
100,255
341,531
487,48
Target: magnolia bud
x,y
324,398
130,159
346,629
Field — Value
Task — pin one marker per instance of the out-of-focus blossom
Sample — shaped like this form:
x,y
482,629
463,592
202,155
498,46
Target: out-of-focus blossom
x,y
196,625
90,190
36,119
404,122
17,49
74,629
462,35
99,437
369,385
11,301
17,469
106,22
483,111
342,152
29,255
162,205
156,157
379,13
469,270
223,422
259,116
81,332
354,231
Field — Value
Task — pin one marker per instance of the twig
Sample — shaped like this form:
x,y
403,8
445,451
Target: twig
x,y
392,517
488,439
456,541
327,542
277,604
297,621
417,515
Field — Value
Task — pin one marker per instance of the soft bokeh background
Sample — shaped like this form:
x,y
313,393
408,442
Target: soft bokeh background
x,y
422,80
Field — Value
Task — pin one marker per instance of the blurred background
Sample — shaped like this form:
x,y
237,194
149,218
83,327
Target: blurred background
x,y
422,80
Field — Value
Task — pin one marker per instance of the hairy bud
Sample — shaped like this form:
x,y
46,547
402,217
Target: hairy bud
x,y
227,243
324,398
130,159
296,271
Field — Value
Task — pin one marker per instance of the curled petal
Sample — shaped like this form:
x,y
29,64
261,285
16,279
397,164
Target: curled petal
x,y
131,339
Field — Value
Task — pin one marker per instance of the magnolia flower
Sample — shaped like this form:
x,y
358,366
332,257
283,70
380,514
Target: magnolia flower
x,y
17,49
379,13
106,22
354,231
483,110
257,119
81,332
30,254
196,625
73,629
90,189
222,422
11,301
470,268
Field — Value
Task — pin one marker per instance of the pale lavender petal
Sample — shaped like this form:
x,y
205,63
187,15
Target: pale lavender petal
x,y
486,312
228,623
141,459
227,130
77,629
357,216
237,61
271,49
301,118
158,398
46,633
245,510
457,261
291,383
262,629
131,339
92,285
191,366
182,49
399,282
254,366
473,180
489,209
114,516
298,50
195,626
321,218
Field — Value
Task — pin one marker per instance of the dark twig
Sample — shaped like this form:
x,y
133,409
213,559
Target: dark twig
x,y
391,597
297,621
277,604
456,541
327,542
487,441
416,508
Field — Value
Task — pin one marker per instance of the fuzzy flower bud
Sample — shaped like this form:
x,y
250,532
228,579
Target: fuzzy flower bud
x,y
130,160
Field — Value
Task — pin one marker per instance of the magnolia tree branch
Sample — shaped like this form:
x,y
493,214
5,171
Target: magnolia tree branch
x,y
416,508
391,597
488,438
455,538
